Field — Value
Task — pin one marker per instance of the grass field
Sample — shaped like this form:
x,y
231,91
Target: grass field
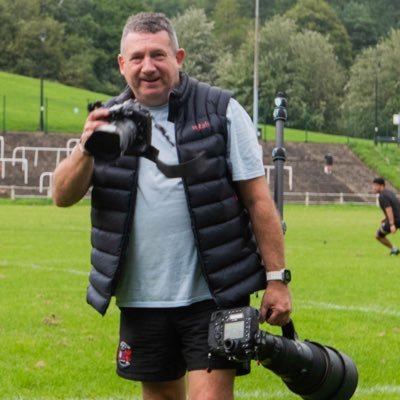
x,y
54,346
66,107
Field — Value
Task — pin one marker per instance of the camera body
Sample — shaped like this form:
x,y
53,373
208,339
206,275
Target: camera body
x,y
128,133
232,333
309,369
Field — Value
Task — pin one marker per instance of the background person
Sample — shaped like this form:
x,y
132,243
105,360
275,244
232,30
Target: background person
x,y
172,251
390,206
328,163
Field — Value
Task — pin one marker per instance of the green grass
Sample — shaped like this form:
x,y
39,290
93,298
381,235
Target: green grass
x,y
55,346
66,106
385,159
298,135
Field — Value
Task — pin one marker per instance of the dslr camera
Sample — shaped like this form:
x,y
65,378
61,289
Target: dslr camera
x,y
309,369
129,134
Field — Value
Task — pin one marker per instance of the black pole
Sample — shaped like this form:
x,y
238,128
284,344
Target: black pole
x,y
41,124
279,152
4,114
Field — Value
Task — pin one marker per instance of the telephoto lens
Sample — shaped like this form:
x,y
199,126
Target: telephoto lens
x,y
309,369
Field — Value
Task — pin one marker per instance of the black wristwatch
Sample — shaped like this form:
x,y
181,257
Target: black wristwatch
x,y
284,275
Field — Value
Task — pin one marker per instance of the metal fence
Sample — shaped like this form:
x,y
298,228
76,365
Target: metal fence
x,y
60,114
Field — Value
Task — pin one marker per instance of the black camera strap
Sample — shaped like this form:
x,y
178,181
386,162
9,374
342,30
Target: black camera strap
x,y
289,331
192,167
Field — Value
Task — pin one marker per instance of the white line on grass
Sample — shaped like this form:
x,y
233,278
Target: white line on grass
x,y
41,267
364,309
244,394
283,394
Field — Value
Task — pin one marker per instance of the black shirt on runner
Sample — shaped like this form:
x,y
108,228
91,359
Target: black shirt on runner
x,y
389,199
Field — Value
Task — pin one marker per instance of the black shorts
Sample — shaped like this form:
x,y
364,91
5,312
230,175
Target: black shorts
x,y
161,344
385,228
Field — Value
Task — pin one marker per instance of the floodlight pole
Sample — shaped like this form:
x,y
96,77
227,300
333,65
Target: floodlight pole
x,y
279,152
42,37
255,73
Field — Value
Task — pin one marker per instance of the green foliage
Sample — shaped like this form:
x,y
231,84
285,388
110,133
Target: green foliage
x,y
374,81
230,26
317,15
360,24
54,346
81,45
285,55
197,37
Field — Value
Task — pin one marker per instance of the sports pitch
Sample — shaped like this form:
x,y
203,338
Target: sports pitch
x,y
54,346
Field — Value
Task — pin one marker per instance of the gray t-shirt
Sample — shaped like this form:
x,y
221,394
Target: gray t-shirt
x,y
162,267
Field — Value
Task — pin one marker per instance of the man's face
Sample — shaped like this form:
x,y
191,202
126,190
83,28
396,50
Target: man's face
x,y
150,66
377,188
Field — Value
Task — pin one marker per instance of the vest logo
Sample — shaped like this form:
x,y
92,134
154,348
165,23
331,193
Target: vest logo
x,y
201,126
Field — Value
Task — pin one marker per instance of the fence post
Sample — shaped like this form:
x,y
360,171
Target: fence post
x,y
46,115
307,199
341,198
12,193
4,114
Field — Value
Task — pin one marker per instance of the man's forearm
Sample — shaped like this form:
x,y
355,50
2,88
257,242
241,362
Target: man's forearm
x,y
265,222
268,232
389,215
72,178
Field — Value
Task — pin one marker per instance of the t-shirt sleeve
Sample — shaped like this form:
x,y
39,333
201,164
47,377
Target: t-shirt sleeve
x,y
244,154
384,201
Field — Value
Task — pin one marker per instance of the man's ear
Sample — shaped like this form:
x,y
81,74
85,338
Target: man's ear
x,y
121,64
180,57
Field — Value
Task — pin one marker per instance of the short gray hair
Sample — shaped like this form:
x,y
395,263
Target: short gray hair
x,y
148,22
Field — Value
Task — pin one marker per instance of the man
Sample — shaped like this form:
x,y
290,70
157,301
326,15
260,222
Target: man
x,y
390,206
172,251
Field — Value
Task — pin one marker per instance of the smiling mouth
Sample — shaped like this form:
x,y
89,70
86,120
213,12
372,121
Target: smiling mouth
x,y
151,80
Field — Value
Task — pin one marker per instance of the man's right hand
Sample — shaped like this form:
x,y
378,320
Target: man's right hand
x,y
95,119
73,176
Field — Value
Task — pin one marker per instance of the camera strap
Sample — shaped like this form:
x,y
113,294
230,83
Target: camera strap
x,y
289,331
192,167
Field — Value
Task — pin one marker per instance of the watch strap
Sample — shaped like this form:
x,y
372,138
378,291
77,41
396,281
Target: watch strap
x,y
281,275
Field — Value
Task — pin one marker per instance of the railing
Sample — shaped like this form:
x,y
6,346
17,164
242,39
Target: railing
x,y
36,150
48,175
312,198
32,192
2,147
24,165
306,198
288,168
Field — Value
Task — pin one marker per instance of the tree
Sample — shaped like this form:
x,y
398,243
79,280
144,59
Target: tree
x,y
360,25
285,65
375,68
195,34
317,15
230,27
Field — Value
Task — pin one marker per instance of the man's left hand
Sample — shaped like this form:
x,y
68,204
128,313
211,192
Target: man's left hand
x,y
276,304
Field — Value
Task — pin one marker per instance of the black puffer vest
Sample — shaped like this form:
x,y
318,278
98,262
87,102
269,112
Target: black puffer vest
x,y
224,240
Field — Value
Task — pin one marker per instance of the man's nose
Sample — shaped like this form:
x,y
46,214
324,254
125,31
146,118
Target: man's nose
x,y
148,65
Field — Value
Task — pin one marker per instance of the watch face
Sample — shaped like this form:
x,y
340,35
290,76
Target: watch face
x,y
287,276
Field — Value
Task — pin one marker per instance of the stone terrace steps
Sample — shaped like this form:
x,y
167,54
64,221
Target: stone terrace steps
x,y
349,175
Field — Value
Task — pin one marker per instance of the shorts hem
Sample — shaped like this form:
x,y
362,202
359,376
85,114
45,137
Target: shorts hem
x,y
143,378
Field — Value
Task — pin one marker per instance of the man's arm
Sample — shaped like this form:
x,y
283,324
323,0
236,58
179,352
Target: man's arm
x,y
73,176
267,228
390,218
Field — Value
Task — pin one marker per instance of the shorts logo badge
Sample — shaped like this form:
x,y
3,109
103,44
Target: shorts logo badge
x,y
124,355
